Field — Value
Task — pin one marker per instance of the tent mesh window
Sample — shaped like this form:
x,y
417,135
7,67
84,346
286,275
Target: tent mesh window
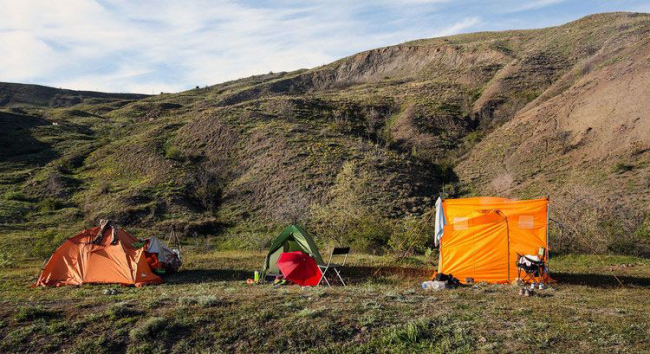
x,y
461,223
526,221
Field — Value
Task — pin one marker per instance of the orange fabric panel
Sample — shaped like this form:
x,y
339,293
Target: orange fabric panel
x,y
477,248
78,261
476,242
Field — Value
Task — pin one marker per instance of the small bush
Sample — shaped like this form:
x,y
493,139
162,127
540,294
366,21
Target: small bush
x,y
411,333
173,153
121,310
310,313
105,188
151,328
34,312
15,195
583,222
474,137
621,167
426,335
49,205
412,235
155,328
6,261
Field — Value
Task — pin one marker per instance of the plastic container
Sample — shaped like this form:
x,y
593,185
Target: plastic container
x,y
256,276
434,285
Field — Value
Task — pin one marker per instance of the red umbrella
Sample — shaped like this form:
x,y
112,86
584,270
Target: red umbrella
x,y
299,268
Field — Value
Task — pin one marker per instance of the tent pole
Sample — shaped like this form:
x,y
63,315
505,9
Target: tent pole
x,y
548,263
508,236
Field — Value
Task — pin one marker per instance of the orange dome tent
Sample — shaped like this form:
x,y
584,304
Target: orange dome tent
x,y
101,255
480,238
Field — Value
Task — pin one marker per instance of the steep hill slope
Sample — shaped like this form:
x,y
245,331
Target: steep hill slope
x,y
357,149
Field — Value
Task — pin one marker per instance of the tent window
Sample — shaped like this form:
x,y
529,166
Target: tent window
x,y
526,221
461,223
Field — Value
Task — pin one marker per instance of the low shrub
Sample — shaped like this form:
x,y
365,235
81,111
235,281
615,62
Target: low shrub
x,y
151,328
412,235
15,195
622,167
48,205
121,310
584,222
6,260
29,313
173,153
155,328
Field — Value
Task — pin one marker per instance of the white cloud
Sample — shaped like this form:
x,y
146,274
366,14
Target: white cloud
x,y
458,27
531,5
24,56
170,45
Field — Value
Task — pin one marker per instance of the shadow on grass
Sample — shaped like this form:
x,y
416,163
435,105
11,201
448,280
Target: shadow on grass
x,y
351,274
362,274
599,280
197,276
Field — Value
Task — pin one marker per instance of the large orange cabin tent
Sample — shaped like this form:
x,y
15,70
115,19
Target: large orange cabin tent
x,y
480,238
101,255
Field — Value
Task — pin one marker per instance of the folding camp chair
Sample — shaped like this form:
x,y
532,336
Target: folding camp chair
x,y
533,269
337,251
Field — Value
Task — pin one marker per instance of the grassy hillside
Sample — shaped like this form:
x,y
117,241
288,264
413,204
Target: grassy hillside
x,y
357,150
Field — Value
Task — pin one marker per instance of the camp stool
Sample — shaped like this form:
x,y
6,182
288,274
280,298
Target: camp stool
x,y
536,272
337,251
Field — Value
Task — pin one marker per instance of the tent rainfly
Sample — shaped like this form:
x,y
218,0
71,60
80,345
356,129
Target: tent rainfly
x,y
292,238
480,238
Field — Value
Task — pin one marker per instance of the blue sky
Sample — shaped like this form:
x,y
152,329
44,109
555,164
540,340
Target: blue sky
x,y
171,45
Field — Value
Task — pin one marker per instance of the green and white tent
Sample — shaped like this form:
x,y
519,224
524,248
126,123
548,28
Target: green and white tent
x,y
292,238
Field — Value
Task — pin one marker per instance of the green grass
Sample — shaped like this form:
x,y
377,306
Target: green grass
x,y
209,307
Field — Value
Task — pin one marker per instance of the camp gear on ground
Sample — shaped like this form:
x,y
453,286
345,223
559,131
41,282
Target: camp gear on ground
x,y
434,285
482,236
293,238
532,268
174,242
161,257
256,276
449,279
152,260
91,257
336,268
299,268
524,291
